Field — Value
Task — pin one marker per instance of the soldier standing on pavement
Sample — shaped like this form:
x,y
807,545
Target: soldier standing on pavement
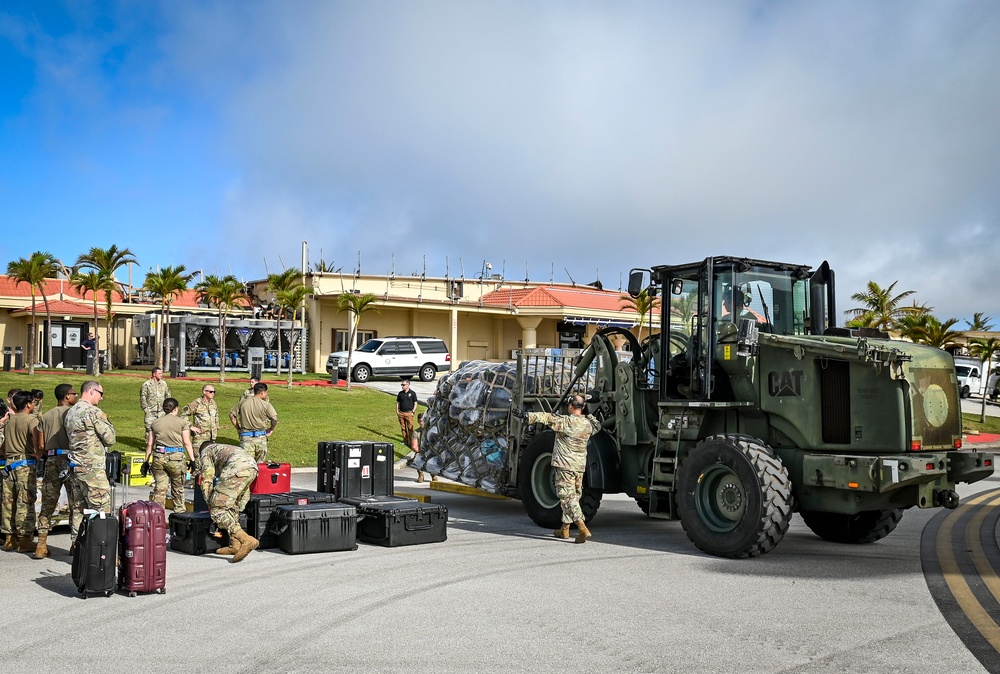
x,y
251,417
204,415
56,453
90,435
169,454
151,396
406,403
226,475
569,460
20,449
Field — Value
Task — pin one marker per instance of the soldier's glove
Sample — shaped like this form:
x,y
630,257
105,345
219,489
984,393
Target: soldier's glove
x,y
193,466
518,412
144,469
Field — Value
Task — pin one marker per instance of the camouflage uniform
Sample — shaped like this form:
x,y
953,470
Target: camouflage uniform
x,y
151,397
569,457
90,434
254,417
169,460
20,485
204,415
56,463
226,474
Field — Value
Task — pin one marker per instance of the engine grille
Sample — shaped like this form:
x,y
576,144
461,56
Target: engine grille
x,y
835,390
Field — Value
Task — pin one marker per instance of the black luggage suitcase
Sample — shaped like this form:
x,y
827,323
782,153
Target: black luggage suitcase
x,y
317,527
260,512
142,552
94,562
196,534
355,469
392,524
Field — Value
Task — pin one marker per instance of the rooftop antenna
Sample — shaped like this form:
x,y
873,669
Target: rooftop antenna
x,y
462,265
525,272
282,263
392,274
446,269
619,281
420,290
552,274
357,273
570,276
503,269
266,272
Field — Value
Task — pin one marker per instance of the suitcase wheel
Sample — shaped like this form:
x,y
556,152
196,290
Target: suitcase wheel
x,y
131,594
109,593
161,590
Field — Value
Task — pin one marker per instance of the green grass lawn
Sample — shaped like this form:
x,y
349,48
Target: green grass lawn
x,y
306,414
971,422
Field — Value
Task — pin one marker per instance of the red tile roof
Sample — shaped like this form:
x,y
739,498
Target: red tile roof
x,y
189,298
557,296
63,308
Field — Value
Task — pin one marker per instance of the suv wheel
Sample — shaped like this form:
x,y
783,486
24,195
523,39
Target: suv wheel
x,y
427,372
361,373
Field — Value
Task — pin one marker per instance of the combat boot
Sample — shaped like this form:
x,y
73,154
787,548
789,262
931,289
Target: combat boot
x,y
26,543
562,532
42,549
9,543
420,476
247,545
584,532
231,549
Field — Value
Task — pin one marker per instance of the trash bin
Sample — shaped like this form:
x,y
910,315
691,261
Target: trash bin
x,y
91,362
174,366
256,367
103,360
18,358
8,354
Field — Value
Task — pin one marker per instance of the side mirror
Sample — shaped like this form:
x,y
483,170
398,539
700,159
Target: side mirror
x,y
637,282
677,287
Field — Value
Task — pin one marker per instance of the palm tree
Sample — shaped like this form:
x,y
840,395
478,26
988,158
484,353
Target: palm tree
x,y
223,293
106,261
355,305
166,284
277,283
291,300
980,323
940,335
879,307
643,304
33,270
91,282
984,349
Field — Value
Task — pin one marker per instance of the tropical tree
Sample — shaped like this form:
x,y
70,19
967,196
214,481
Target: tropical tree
x,y
643,304
355,305
224,293
879,307
167,284
940,335
980,323
84,282
106,261
291,300
985,349
277,283
33,270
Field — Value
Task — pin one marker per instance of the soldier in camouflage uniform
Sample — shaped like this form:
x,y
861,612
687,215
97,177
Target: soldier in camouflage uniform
x,y
251,417
204,415
169,454
151,396
20,449
569,460
90,435
249,392
56,453
226,474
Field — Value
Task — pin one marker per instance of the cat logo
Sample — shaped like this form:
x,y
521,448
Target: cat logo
x,y
785,383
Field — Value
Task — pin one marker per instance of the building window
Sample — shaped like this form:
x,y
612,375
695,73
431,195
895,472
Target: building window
x,y
341,337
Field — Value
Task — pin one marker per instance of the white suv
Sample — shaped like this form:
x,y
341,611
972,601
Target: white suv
x,y
406,357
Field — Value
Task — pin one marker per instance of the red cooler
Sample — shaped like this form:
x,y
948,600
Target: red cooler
x,y
272,478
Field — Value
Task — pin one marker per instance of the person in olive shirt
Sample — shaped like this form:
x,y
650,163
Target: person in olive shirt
x,y
255,419
169,445
20,449
56,446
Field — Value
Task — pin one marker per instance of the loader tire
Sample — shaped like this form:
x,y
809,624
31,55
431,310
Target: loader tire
x,y
734,497
538,495
860,528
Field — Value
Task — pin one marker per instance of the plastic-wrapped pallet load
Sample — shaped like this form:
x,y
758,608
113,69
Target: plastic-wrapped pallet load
x,y
463,436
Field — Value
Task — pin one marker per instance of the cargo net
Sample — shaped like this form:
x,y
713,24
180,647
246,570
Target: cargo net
x,y
463,434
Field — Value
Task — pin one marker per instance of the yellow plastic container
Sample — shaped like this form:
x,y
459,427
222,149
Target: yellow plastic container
x,y
134,461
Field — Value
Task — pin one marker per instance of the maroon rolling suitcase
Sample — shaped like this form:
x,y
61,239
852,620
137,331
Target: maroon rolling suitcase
x,y
142,548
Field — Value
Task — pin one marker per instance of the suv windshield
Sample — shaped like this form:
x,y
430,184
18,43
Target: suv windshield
x,y
371,346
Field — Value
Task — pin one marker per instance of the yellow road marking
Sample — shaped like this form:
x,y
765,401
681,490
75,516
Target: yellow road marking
x,y
955,580
975,546
464,489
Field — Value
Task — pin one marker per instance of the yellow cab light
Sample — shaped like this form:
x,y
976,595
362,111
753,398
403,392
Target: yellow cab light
x,y
852,485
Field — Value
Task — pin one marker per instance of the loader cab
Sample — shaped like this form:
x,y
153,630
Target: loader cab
x,y
729,301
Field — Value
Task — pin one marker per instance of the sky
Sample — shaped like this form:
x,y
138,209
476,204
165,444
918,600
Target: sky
x,y
554,140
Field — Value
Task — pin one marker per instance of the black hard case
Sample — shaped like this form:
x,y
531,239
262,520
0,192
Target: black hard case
x,y
355,469
317,527
195,533
394,524
94,558
260,512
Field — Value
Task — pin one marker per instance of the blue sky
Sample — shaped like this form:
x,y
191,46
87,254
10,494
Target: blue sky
x,y
542,137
